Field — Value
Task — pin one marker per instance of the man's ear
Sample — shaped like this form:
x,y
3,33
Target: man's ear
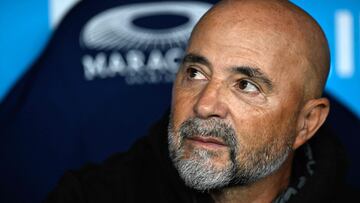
x,y
311,117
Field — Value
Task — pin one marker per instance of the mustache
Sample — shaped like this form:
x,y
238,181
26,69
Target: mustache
x,y
212,127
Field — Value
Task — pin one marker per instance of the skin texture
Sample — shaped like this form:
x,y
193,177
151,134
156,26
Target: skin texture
x,y
281,107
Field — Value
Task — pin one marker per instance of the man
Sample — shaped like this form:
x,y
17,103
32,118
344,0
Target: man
x,y
246,102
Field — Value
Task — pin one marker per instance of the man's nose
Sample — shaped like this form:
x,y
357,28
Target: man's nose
x,y
211,102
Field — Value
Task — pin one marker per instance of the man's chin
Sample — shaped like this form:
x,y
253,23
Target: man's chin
x,y
203,169
204,175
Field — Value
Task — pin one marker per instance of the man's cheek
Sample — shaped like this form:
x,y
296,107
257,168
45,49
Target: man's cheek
x,y
181,111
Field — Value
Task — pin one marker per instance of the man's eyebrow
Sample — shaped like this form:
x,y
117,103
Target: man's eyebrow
x,y
195,58
253,73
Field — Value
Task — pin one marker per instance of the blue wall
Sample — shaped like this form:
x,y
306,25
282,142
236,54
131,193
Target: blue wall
x,y
25,29
341,20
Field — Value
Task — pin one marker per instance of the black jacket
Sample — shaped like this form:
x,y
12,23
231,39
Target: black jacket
x,y
145,174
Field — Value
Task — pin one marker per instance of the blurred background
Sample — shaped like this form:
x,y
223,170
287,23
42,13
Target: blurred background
x,y
26,28
66,80
28,25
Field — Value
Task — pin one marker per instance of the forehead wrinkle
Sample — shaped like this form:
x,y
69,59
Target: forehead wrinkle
x,y
301,36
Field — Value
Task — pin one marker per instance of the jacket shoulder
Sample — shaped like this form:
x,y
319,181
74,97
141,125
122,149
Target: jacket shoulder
x,y
111,181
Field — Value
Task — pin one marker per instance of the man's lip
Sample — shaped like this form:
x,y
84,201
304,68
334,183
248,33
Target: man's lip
x,y
208,140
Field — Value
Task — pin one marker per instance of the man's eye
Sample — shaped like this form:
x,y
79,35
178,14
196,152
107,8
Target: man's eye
x,y
248,87
195,74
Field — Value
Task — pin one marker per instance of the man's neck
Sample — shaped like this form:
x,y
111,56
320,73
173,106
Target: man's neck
x,y
264,190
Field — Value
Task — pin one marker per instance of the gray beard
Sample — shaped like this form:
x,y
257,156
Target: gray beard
x,y
199,171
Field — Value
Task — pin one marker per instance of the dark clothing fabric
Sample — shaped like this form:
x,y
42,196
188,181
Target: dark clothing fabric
x,y
145,174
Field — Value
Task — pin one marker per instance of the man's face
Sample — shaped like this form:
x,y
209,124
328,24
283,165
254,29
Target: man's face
x,y
235,104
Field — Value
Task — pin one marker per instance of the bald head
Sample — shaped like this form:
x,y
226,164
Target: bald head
x,y
256,68
281,28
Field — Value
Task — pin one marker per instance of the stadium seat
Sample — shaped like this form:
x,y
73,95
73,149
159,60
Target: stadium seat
x,y
103,79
